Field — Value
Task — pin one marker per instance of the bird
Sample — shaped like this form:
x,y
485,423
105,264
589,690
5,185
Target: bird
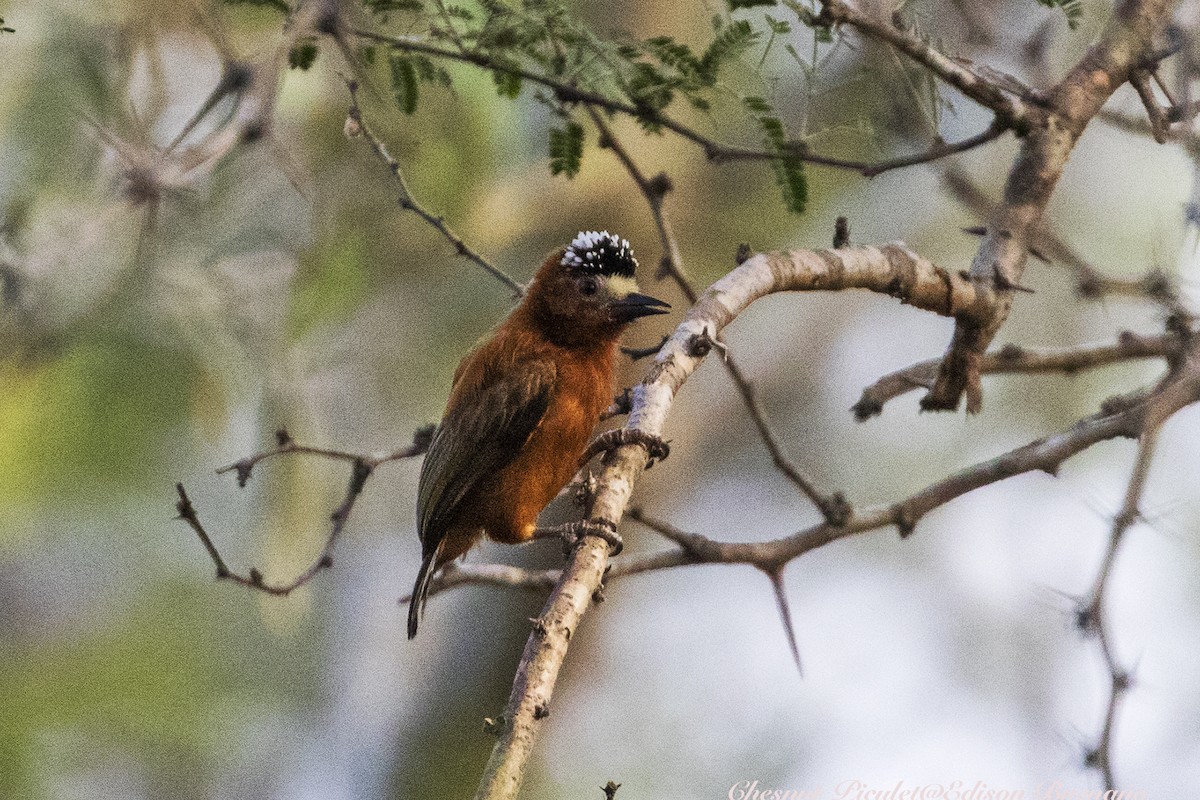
x,y
523,404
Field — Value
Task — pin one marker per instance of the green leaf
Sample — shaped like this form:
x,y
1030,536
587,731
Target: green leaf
x,y
404,82
789,165
650,91
1073,9
566,149
728,44
674,54
303,54
508,84
777,25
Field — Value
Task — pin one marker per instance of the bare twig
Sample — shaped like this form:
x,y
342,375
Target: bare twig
x,y
1177,391
357,126
362,468
1015,359
939,150
1052,130
1011,111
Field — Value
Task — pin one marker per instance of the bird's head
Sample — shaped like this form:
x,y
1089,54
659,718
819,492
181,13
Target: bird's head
x,y
588,288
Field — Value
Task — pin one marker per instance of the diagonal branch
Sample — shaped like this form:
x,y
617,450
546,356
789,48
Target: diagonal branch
x,y
1011,111
891,269
655,190
1127,42
357,126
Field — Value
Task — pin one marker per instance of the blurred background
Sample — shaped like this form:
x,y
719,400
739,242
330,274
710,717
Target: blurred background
x,y
156,328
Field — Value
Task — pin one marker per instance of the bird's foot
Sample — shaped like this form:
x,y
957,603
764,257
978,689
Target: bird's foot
x,y
657,448
572,533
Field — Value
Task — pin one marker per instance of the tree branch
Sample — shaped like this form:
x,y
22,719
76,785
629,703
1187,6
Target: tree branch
x,y
1010,111
1016,359
357,126
1176,392
362,469
1052,133
892,269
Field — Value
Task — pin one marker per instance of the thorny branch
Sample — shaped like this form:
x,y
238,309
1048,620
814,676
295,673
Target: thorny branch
x,y
891,269
717,152
356,125
1179,389
1051,131
1016,359
361,469
655,191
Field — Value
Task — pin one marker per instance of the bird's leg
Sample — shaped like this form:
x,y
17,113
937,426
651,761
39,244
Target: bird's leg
x,y
572,533
657,448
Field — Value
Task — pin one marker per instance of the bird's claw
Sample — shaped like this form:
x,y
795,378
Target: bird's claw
x,y
572,533
657,448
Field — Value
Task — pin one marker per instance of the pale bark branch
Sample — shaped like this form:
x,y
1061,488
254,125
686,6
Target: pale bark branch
x,y
1052,131
892,269
655,190
1011,111
1014,359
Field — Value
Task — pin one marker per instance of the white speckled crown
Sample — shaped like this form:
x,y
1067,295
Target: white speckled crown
x,y
600,252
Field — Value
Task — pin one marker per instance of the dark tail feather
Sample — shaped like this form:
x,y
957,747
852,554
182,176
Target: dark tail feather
x,y
416,604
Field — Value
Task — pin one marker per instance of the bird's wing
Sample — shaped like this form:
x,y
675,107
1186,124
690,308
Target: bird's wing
x,y
478,438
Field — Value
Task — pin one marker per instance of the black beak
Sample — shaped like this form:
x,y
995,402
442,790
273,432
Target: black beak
x,y
632,306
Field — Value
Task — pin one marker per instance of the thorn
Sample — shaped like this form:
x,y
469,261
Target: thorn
x,y
841,233
610,790
1010,352
282,437
493,726
866,408
1004,282
541,711
785,614
743,254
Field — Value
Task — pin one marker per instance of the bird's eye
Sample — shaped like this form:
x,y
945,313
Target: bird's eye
x,y
589,286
